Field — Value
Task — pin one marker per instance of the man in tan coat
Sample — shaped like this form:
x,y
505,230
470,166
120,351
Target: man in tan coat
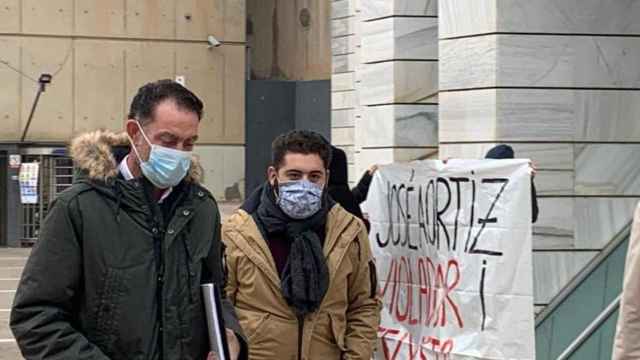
x,y
627,341
300,271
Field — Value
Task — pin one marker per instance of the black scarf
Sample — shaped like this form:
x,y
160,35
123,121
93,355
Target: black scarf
x,y
305,278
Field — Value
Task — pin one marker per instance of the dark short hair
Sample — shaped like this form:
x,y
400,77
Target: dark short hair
x,y
152,94
300,142
500,152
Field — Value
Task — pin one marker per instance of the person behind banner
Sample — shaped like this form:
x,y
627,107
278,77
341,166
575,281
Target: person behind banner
x,y
506,152
116,271
349,199
338,187
300,270
361,191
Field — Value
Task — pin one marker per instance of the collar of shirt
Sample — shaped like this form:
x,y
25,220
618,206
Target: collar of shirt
x,y
126,173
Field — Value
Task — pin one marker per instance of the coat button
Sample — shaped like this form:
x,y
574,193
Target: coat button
x,y
171,231
154,230
186,213
200,193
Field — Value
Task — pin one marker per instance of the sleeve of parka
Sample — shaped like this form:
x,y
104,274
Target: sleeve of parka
x,y
41,318
363,312
230,263
361,190
627,339
217,260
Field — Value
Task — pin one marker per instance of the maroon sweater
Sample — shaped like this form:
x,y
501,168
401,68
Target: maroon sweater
x,y
280,247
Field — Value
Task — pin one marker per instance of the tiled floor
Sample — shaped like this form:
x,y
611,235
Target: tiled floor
x,y
11,263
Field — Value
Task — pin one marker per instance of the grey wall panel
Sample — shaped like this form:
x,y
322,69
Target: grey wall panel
x,y
274,107
270,112
313,106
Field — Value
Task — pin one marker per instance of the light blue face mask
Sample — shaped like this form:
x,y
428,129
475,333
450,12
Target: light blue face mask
x,y
299,199
165,167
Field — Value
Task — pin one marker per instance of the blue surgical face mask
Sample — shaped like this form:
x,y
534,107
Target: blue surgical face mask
x,y
166,167
299,199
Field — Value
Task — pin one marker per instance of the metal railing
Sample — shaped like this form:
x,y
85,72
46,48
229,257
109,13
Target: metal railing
x,y
617,240
54,176
591,329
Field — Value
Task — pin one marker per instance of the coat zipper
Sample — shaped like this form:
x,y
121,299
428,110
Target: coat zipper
x,y
157,239
190,271
300,333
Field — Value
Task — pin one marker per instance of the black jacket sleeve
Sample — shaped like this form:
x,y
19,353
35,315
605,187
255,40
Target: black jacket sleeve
x,y
362,189
218,272
534,203
41,318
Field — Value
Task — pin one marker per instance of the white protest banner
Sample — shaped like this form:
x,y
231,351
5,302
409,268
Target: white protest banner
x,y
452,244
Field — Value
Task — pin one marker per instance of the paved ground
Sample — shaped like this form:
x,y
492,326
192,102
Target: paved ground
x,y
11,264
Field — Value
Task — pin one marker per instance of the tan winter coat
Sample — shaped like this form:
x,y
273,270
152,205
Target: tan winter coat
x,y
344,327
627,341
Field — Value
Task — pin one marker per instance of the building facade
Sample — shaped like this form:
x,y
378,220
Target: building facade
x,y
99,53
556,79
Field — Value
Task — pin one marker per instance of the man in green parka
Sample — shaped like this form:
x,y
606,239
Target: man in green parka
x,y
116,271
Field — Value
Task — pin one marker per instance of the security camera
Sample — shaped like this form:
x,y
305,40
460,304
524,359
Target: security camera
x,y
213,42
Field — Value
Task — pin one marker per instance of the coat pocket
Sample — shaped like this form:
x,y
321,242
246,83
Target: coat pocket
x,y
258,326
339,328
108,308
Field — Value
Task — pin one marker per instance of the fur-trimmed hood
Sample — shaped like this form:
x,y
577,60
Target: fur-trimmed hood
x,y
93,155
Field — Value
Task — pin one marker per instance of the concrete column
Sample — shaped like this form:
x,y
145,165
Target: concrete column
x,y
385,79
397,77
345,44
558,80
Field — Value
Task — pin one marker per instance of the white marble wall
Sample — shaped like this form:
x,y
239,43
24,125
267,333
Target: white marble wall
x,y
343,63
385,81
600,219
558,80
342,9
553,269
395,154
399,82
375,9
471,17
400,125
400,38
342,136
547,156
555,228
343,27
343,82
558,114
345,44
607,169
510,60
580,223
343,99
342,118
